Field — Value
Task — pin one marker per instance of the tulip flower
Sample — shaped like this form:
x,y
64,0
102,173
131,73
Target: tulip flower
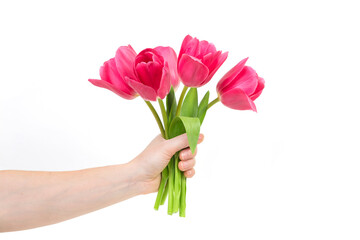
x,y
239,87
198,61
150,73
111,80
170,58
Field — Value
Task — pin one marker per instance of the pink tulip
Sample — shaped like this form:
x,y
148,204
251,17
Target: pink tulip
x,y
111,80
198,61
150,73
239,87
170,57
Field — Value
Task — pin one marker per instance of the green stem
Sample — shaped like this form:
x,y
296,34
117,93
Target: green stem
x,y
213,102
165,193
177,184
152,109
171,187
181,100
183,196
165,118
163,174
164,177
160,192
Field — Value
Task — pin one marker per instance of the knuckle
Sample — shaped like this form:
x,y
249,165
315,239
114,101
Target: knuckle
x,y
190,173
181,165
183,154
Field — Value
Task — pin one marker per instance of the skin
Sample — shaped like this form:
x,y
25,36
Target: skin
x,y
30,199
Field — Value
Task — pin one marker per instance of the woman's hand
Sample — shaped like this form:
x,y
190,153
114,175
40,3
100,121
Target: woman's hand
x,y
156,156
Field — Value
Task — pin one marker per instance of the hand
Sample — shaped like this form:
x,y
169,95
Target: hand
x,y
156,156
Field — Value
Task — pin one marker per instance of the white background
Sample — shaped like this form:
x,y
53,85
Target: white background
x,y
291,171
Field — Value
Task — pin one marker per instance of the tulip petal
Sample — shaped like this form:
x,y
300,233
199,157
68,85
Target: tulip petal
x,y
109,73
214,62
259,88
183,45
125,58
189,46
149,55
165,84
169,56
247,80
237,99
204,48
192,71
230,75
106,85
146,92
149,74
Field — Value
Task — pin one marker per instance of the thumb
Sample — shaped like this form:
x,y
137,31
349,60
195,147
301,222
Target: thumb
x,y
178,143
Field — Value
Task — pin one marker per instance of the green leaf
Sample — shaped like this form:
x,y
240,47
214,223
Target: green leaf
x,y
190,105
188,125
203,106
171,105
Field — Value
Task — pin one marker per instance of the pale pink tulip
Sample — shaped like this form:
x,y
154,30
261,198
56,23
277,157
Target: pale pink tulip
x,y
239,87
198,61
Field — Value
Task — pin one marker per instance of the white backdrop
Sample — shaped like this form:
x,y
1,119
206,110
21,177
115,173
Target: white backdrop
x,y
291,171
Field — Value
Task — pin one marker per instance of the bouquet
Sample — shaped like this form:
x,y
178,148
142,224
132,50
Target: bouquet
x,y
155,73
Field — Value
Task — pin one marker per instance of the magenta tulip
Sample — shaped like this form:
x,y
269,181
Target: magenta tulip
x,y
198,61
239,87
111,80
170,58
150,73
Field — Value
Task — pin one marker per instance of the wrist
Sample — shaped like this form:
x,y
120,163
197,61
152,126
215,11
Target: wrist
x,y
140,178
136,177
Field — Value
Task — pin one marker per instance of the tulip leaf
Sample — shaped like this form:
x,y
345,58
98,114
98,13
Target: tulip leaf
x,y
171,105
188,125
190,105
203,106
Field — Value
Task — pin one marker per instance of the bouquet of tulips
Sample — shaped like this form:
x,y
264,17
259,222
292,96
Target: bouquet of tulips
x,y
155,74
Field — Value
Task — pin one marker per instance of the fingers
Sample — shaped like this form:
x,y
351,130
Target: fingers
x,y
180,142
190,173
186,154
201,138
187,165
187,158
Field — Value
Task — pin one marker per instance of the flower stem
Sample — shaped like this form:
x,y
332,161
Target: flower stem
x,y
165,193
182,196
162,190
213,102
153,111
171,186
181,100
177,184
165,118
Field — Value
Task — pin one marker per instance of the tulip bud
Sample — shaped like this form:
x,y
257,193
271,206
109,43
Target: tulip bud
x,y
198,61
111,80
239,87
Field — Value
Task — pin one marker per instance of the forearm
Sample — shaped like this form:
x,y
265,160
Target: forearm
x,y
31,199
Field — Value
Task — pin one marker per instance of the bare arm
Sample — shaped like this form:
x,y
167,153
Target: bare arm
x,y
31,199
